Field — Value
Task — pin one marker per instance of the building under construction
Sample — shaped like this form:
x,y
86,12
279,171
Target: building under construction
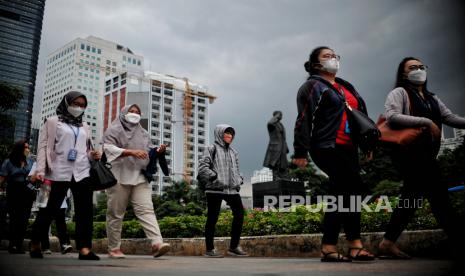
x,y
175,111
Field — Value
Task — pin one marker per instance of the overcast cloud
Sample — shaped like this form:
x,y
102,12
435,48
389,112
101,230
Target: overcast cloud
x,y
251,53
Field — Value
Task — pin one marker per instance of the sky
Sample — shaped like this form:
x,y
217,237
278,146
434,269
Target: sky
x,y
250,54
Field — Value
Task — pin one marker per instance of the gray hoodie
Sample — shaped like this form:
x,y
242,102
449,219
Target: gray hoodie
x,y
224,173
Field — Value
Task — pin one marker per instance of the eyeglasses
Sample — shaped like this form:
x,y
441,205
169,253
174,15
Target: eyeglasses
x,y
417,67
330,56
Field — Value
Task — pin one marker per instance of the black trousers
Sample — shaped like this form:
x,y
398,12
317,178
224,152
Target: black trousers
x,y
19,199
60,222
421,175
342,166
213,211
83,206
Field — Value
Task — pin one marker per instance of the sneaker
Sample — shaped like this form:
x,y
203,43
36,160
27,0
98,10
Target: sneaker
x,y
159,250
91,256
48,251
116,254
15,250
213,254
237,252
66,248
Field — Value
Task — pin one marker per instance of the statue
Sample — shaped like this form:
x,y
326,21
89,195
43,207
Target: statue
x,y
276,153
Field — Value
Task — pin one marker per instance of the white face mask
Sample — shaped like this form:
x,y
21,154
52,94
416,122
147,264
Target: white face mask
x,y
75,111
132,118
330,65
417,76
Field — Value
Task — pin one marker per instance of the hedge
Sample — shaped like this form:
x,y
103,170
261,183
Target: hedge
x,y
260,223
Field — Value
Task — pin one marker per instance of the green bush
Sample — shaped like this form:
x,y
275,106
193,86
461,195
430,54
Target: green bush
x,y
260,223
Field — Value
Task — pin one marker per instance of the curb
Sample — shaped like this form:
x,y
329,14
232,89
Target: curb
x,y
424,243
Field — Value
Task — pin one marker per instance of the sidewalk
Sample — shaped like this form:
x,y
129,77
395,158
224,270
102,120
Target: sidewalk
x,y
144,265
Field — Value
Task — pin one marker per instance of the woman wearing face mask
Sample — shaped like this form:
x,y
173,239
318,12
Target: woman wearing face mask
x,y
322,129
126,146
63,157
411,105
19,194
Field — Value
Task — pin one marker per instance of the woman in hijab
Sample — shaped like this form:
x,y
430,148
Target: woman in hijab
x,y
126,146
63,157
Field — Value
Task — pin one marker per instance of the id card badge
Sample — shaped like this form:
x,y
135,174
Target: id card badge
x,y
72,154
347,128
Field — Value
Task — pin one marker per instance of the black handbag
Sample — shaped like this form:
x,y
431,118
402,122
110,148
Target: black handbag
x,y
362,128
101,177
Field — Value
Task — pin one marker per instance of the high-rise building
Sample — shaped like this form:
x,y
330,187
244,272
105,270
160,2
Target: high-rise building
x,y
162,101
82,65
20,31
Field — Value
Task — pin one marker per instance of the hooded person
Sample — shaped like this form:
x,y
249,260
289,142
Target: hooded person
x,y
126,145
220,164
63,157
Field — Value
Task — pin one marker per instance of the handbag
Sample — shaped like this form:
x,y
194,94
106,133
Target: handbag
x,y
101,177
363,129
402,137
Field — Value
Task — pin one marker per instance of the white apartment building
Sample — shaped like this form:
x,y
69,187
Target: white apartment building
x,y
82,65
263,175
452,143
161,99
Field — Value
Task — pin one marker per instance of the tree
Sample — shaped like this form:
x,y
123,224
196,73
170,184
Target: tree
x,y
10,98
181,198
379,168
316,182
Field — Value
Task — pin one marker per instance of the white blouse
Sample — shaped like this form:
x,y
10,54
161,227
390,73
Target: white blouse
x,y
125,171
63,169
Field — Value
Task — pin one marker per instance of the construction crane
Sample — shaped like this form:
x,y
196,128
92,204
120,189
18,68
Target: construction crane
x,y
187,116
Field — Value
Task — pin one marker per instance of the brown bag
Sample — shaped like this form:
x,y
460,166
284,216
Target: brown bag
x,y
403,137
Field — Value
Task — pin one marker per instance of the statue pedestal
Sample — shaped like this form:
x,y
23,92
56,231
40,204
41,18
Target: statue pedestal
x,y
276,188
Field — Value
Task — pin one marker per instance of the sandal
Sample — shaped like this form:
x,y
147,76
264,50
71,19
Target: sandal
x,y
339,259
359,257
383,255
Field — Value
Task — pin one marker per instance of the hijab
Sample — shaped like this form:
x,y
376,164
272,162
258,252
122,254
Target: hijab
x,y
126,135
62,109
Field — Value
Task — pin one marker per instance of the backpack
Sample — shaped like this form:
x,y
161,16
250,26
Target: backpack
x,y
202,181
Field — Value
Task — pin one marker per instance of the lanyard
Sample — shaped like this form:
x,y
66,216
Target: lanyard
x,y
76,134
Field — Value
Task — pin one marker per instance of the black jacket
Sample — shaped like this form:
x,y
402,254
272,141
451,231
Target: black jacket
x,y
151,168
320,107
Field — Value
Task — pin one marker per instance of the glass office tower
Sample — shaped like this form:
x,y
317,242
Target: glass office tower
x,y
20,31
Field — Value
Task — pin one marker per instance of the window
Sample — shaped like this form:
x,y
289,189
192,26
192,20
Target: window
x,y
93,50
138,62
99,51
108,62
83,46
88,48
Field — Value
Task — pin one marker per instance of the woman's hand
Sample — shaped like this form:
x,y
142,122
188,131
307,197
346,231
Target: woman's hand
x,y
300,162
96,155
40,177
162,148
369,156
139,154
435,131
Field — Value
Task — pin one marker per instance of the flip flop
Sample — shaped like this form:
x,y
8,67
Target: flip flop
x,y
339,259
359,257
